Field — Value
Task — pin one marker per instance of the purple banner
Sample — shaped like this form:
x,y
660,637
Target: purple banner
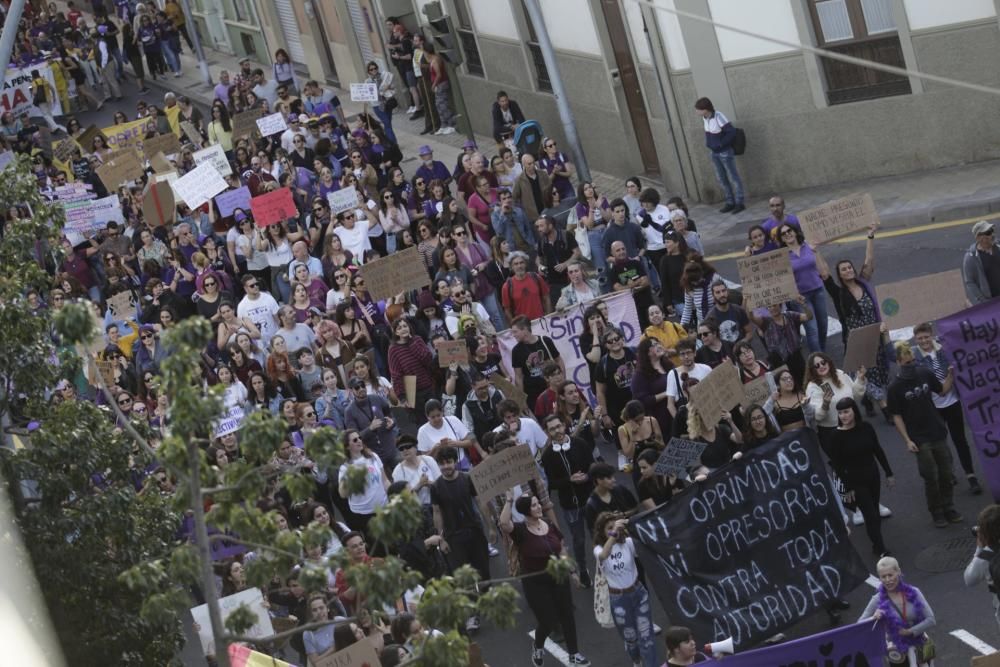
x,y
972,340
858,645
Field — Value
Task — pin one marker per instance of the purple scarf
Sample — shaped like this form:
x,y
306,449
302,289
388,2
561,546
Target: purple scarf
x,y
894,622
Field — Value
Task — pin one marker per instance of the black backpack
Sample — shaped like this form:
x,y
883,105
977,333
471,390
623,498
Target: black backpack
x,y
739,141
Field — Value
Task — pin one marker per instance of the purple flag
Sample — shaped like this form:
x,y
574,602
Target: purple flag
x,y
972,340
858,645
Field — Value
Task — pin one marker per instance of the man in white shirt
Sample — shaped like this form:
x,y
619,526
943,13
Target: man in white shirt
x,y
353,234
288,135
300,255
688,374
440,432
259,306
264,89
524,430
654,220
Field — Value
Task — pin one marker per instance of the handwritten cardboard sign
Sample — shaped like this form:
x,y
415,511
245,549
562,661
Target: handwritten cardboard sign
x,y
191,132
511,391
122,306
759,389
252,598
359,654
160,163
199,185
162,143
272,124
63,151
216,156
720,391
862,347
121,169
451,351
245,124
400,272
678,456
767,279
364,92
230,200
106,368
922,299
342,200
838,218
158,205
499,472
273,207
86,139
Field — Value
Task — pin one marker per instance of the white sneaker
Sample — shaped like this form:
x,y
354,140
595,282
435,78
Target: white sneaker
x,y
622,462
657,629
884,511
858,518
538,657
178,75
578,659
440,130
493,551
451,130
411,109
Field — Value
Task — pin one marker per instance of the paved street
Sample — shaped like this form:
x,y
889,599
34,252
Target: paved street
x,y
903,250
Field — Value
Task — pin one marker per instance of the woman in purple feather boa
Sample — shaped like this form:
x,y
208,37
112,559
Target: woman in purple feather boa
x,y
904,612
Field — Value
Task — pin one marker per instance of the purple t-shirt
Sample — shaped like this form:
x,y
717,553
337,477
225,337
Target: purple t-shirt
x,y
804,267
771,225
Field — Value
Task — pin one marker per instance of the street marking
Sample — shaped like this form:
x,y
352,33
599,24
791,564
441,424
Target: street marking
x,y
557,651
975,642
873,581
903,231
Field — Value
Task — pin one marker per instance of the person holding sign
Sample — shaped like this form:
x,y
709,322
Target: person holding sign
x,y
825,385
550,600
721,435
805,266
614,552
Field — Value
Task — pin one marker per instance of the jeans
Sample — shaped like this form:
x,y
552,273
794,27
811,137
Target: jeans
x,y
168,54
952,416
934,465
443,103
492,306
576,522
597,256
634,621
385,117
728,176
817,326
390,243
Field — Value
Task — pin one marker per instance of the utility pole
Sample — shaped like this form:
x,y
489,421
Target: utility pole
x,y
10,24
565,113
199,52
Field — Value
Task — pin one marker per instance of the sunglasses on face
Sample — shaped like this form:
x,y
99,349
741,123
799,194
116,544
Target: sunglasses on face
x,y
460,233
611,341
702,334
252,285
146,336
209,283
125,401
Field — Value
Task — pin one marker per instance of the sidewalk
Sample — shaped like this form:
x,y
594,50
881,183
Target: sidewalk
x,y
908,200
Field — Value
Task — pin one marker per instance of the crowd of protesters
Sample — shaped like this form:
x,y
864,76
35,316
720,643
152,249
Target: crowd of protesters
x,y
505,239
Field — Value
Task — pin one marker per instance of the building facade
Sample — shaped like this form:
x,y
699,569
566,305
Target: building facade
x,y
230,26
632,70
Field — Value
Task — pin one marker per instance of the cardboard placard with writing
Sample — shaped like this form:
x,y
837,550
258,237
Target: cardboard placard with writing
x,y
359,654
719,392
862,347
122,168
191,132
452,351
63,151
410,388
759,389
342,200
160,164
122,306
199,185
499,472
86,139
271,124
167,144
364,92
274,207
511,391
245,124
106,368
767,279
925,298
678,456
158,205
838,218
400,272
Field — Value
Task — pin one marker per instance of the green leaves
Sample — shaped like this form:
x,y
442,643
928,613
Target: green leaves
x,y
399,520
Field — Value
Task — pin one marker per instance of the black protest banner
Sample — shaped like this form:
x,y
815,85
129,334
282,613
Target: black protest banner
x,y
758,546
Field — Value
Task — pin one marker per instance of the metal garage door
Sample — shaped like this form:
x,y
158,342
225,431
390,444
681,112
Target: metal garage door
x,y
290,29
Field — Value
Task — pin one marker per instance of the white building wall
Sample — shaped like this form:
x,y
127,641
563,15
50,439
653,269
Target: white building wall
x,y
571,26
494,18
673,38
633,19
934,13
765,17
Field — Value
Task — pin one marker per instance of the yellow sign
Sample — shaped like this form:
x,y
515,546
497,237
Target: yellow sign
x,y
129,135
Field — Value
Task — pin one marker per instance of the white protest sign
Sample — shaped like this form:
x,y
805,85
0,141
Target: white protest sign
x,y
251,597
342,200
216,156
272,124
199,185
364,92
85,216
231,422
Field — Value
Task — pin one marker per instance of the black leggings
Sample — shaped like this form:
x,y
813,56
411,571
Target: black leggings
x,y
552,605
952,416
867,491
